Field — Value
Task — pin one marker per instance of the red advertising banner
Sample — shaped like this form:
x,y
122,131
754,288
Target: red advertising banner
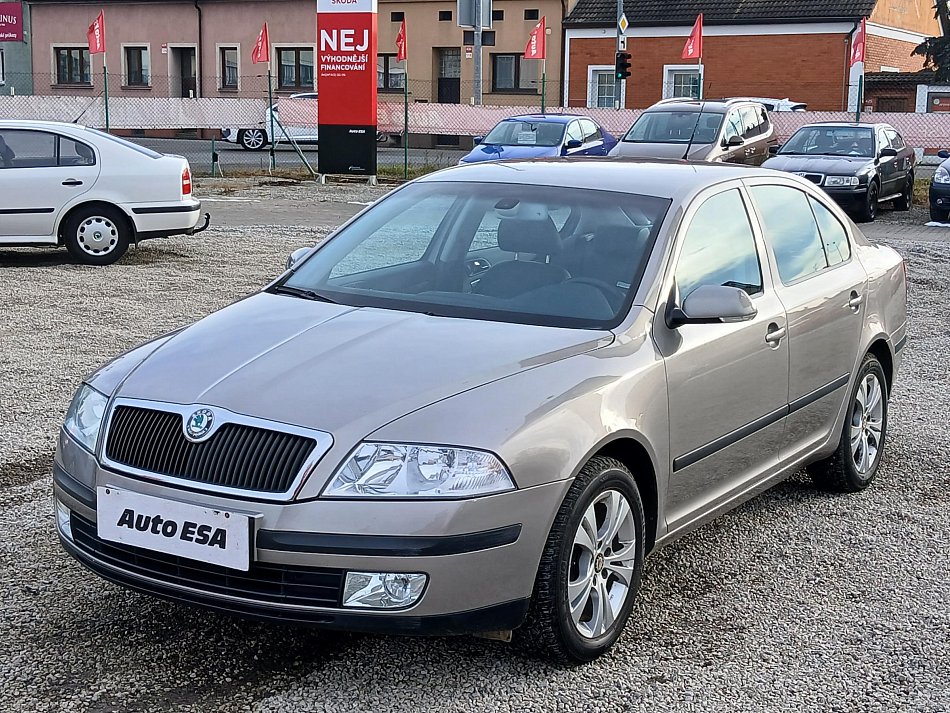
x,y
346,80
11,22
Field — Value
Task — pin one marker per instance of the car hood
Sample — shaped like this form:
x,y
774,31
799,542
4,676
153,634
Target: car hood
x,y
495,152
697,152
843,165
335,368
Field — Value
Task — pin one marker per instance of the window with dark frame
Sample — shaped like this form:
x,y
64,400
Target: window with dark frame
x,y
512,73
445,16
72,65
390,74
136,67
497,15
398,16
295,68
229,68
532,14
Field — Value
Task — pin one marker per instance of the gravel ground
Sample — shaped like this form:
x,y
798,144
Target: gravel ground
x,y
795,601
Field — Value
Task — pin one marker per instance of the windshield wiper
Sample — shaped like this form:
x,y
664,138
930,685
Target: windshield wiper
x,y
301,292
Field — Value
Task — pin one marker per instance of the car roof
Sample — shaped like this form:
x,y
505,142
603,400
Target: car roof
x,y
664,178
851,124
31,124
552,118
713,106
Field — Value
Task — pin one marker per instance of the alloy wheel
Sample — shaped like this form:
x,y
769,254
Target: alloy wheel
x,y
867,424
253,139
603,559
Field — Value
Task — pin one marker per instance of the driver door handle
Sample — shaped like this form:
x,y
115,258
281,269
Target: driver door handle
x,y
855,302
775,334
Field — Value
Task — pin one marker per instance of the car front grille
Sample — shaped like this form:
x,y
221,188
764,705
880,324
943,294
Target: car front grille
x,y
815,178
265,583
235,456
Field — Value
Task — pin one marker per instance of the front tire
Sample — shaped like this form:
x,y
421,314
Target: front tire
x,y
868,211
939,215
854,464
252,139
591,567
97,235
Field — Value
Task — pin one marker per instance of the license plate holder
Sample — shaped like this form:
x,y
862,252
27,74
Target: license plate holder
x,y
200,533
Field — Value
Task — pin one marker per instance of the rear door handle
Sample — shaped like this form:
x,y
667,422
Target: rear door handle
x,y
775,334
855,302
72,182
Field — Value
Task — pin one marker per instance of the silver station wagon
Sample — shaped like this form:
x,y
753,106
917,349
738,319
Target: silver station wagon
x,y
484,400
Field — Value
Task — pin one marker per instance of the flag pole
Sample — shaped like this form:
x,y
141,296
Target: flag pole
x,y
857,112
270,105
544,79
405,121
702,78
105,88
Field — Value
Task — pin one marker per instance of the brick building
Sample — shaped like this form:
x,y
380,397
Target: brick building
x,y
766,48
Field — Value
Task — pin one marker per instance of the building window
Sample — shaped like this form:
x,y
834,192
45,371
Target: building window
x,y
296,68
893,104
513,73
532,14
72,65
136,67
390,74
604,90
445,16
680,81
229,68
497,15
397,16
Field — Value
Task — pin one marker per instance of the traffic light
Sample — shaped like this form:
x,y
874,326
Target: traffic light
x,y
622,65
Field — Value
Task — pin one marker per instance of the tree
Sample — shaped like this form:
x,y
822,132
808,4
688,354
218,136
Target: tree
x,y
936,50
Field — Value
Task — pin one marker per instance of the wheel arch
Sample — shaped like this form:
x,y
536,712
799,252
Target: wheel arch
x,y
64,219
880,348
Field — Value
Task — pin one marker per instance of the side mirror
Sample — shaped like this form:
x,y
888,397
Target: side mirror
x,y
478,139
713,304
887,153
296,256
774,149
734,141
573,144
943,153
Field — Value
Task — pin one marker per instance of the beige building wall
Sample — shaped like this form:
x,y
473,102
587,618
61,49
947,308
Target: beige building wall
x,y
912,15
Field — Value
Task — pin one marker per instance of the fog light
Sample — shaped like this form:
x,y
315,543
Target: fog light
x,y
62,520
382,590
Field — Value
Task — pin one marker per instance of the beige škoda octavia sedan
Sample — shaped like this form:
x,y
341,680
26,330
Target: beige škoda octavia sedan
x,y
483,401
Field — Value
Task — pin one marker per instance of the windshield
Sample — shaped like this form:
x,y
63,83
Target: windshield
x,y
675,127
831,141
526,133
566,257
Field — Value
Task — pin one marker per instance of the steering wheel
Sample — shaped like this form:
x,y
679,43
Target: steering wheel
x,y
613,295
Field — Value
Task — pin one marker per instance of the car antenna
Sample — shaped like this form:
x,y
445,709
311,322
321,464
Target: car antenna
x,y
702,105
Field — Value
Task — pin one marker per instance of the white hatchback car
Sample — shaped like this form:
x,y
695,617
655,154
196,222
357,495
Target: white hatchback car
x,y
94,193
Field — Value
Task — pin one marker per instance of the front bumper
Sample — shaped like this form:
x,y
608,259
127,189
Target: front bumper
x,y
848,197
480,555
940,196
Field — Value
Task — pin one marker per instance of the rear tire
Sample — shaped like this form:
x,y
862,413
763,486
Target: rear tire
x,y
906,199
97,235
868,211
590,569
854,463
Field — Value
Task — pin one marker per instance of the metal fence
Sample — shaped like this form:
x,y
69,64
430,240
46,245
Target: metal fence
x,y
210,127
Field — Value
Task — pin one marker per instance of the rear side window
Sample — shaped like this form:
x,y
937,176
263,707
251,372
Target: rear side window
x,y
73,153
719,247
790,227
833,235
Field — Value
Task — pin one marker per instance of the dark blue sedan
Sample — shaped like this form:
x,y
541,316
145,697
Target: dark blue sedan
x,y
542,136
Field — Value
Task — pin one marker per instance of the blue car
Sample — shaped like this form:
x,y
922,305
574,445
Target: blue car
x,y
542,136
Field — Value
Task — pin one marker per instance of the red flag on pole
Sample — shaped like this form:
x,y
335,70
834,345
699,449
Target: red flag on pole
x,y
402,52
261,52
858,43
693,49
535,48
96,35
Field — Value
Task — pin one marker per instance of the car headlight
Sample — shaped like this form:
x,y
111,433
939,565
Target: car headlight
x,y
401,470
841,181
84,417
942,175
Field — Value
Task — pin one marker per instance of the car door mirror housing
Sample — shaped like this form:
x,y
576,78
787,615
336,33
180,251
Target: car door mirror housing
x,y
296,256
734,141
573,144
478,139
713,304
943,153
774,149
887,152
